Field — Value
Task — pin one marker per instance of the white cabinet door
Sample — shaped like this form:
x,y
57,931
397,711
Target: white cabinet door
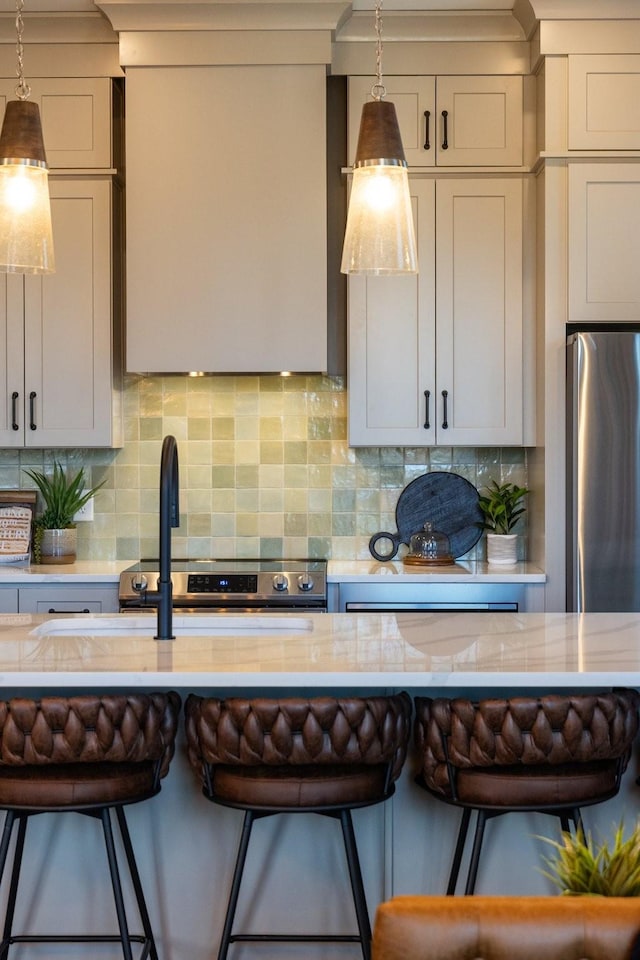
x,y
58,372
437,358
479,310
604,102
604,238
450,121
415,101
392,345
226,228
76,119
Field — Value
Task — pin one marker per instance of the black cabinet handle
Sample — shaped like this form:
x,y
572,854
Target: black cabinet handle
x,y
14,410
427,395
427,144
445,144
445,423
53,610
32,411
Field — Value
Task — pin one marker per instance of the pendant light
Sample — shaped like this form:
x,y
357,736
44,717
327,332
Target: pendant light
x,y
379,237
26,243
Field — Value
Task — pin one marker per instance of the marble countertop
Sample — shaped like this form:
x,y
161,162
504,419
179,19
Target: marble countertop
x,y
463,571
452,651
339,571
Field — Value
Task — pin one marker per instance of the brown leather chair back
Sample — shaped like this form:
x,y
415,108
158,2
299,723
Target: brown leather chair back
x,y
116,728
296,731
552,729
507,928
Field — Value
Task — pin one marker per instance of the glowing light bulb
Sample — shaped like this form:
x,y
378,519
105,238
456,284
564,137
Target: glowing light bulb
x,y
19,190
379,193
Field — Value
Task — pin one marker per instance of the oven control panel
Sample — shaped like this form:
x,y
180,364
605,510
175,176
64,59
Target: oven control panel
x,y
222,583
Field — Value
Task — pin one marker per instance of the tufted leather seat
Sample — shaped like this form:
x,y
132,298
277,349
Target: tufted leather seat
x,y
324,755
507,928
89,754
554,753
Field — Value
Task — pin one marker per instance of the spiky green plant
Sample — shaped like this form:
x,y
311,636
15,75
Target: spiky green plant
x,y
579,867
62,496
501,506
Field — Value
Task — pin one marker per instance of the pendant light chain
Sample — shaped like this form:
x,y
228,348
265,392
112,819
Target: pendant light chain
x,y
378,90
23,90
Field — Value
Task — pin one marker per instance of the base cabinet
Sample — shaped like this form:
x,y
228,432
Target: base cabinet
x,y
58,385
437,358
51,598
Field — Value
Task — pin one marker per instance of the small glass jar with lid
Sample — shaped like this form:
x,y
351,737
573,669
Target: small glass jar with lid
x,y
429,546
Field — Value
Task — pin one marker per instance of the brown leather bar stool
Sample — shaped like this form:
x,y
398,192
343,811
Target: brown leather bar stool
x,y
325,755
92,755
549,754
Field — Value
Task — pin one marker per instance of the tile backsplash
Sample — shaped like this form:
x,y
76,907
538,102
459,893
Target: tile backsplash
x,y
265,470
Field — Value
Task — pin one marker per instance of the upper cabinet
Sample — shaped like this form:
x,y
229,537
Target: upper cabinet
x,y
57,382
226,219
604,102
450,121
60,363
439,358
76,119
604,237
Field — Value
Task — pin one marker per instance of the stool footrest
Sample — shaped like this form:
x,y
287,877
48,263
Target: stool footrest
x,y
295,938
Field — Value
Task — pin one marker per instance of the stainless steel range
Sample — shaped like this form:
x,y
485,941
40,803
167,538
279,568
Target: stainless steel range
x,y
238,585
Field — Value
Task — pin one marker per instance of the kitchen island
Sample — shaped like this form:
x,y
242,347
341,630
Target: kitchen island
x,y
186,845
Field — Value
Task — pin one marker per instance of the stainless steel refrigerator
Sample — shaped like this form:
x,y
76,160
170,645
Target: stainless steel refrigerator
x,y
603,471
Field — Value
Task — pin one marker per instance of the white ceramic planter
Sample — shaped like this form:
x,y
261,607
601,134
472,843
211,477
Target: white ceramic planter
x,y
502,548
58,546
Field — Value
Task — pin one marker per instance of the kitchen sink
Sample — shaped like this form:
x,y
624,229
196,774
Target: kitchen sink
x,y
194,625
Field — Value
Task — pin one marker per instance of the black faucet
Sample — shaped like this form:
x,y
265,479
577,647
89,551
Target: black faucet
x,y
169,517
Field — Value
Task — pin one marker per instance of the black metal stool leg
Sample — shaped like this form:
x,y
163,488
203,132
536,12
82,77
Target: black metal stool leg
x,y
457,857
115,883
475,852
135,879
15,876
9,822
357,886
235,885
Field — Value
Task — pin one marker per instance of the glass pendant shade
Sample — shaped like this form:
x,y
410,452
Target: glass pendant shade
x,y
26,242
379,237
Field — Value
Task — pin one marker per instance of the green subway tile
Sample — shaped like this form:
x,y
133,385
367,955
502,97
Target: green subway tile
x,y
199,525
199,428
343,501
222,476
150,428
271,547
271,451
247,475
223,428
295,524
295,451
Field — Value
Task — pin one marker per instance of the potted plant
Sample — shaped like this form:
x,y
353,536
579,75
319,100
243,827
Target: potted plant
x,y
502,507
54,535
581,867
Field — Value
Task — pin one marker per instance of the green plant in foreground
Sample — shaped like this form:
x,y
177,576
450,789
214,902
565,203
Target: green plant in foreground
x,y
62,497
580,867
501,506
